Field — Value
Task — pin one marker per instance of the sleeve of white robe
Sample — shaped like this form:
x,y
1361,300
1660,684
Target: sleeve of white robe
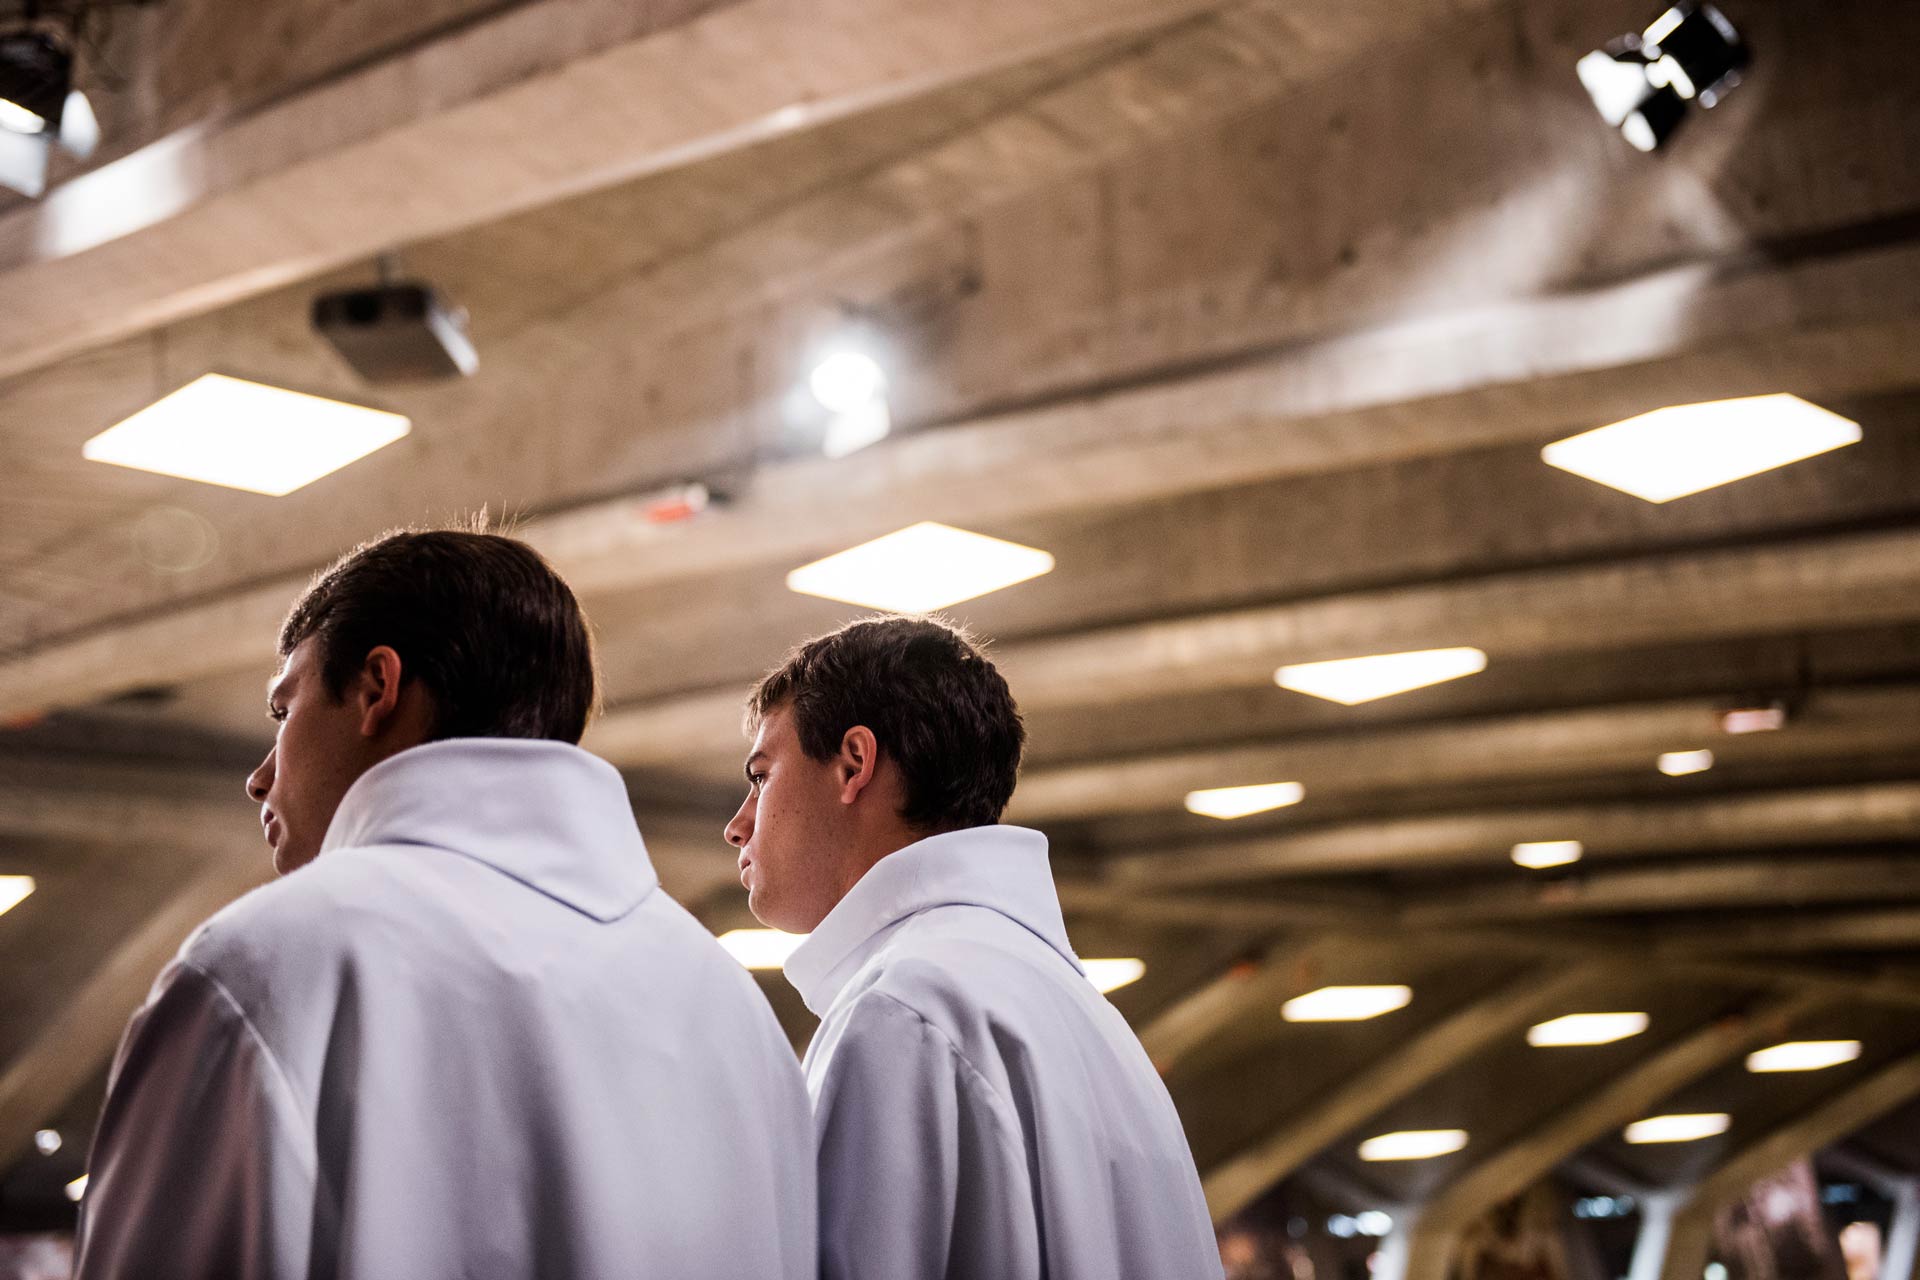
x,y
199,1167
922,1166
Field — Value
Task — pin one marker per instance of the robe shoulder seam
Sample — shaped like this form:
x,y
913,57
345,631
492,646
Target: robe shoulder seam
x,y
1003,1107
277,1073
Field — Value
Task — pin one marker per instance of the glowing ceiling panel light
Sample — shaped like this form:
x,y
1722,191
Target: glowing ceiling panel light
x,y
77,1188
1538,855
1413,1144
1670,453
13,891
1346,1004
1678,764
761,948
1111,975
847,380
1586,1029
1238,802
1351,681
1803,1055
1685,1128
920,568
245,435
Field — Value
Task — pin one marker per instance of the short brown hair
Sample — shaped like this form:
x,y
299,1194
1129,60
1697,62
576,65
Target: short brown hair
x,y
934,702
479,618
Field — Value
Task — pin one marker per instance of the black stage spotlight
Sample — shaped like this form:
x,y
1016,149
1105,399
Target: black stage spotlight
x,y
36,74
1641,83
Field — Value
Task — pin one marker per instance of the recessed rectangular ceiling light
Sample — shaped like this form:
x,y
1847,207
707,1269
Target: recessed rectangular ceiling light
x,y
1111,975
761,948
921,568
1678,764
1238,802
1672,452
1355,680
245,435
1586,1028
1413,1144
14,891
1689,1128
1804,1055
1538,855
1345,1004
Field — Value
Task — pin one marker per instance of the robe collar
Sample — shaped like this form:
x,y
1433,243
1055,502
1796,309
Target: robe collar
x,y
1001,868
545,813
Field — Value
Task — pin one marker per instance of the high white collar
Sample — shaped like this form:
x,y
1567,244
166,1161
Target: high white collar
x,y
1001,868
548,814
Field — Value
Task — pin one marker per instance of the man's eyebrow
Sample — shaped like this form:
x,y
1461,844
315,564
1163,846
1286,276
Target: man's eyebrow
x,y
751,761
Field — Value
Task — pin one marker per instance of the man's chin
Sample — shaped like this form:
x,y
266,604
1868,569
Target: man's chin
x,y
288,858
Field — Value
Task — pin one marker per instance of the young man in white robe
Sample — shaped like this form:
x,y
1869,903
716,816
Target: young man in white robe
x,y
982,1113
465,1034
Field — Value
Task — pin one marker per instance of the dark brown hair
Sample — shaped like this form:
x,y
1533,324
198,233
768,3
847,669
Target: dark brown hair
x,y
480,619
936,705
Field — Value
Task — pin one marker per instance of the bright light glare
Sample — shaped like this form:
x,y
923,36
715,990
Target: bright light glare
x,y
1111,975
1351,681
920,568
1238,802
1672,452
245,435
1586,1028
854,429
847,380
1413,1144
46,1141
13,891
1770,719
1537,855
1688,1128
1678,764
17,118
1346,1004
77,1188
1804,1055
761,948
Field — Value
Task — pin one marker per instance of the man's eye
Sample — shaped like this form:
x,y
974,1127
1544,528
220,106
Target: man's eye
x,y
277,714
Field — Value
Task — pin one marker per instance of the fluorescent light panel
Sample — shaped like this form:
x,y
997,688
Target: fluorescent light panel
x,y
77,1188
1413,1144
1672,452
920,568
13,891
1803,1055
1683,1128
1538,855
1351,681
1678,764
761,948
1238,802
245,435
1111,975
1346,1004
1586,1029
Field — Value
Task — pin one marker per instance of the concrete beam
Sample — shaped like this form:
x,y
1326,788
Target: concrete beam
x,y
1435,1233
1787,880
37,1082
1518,372
1834,722
1289,970
1810,817
545,101
1424,1056
1895,928
1691,1239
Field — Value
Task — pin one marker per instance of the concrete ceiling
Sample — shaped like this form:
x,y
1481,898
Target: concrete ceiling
x,y
1255,315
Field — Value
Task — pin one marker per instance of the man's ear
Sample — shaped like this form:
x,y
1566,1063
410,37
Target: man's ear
x,y
859,757
376,691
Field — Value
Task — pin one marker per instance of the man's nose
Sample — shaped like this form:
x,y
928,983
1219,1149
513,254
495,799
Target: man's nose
x,y
260,781
740,828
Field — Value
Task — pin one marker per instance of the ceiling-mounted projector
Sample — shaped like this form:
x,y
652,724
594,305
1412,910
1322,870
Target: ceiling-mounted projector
x,y
398,331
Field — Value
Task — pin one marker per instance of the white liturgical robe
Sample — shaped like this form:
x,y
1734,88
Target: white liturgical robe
x,y
472,1039
982,1112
